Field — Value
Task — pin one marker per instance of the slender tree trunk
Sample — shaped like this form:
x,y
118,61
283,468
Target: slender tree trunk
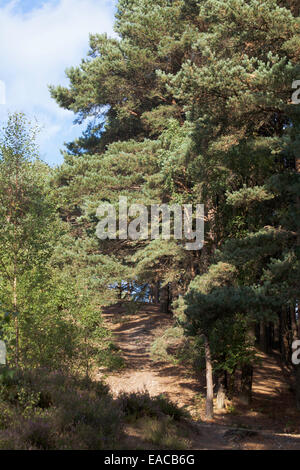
x,y
209,380
120,290
297,167
15,306
164,299
245,395
272,336
285,344
277,334
15,300
265,337
156,291
221,394
257,333
87,369
294,323
268,330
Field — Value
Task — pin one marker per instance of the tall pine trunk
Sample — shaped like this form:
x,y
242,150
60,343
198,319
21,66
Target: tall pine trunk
x,y
221,394
245,395
164,299
209,380
156,292
297,166
285,341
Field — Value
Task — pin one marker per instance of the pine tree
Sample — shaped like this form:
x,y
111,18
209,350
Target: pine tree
x,y
193,105
238,95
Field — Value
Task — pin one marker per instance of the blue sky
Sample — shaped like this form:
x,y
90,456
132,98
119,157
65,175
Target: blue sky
x,y
39,39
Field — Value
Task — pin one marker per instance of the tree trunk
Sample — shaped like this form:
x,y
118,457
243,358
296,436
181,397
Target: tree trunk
x,y
245,395
156,293
15,306
295,333
294,324
87,368
231,383
120,291
265,337
164,299
272,336
297,167
285,343
277,335
209,380
221,394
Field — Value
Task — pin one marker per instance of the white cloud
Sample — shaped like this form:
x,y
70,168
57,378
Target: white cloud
x,y
35,49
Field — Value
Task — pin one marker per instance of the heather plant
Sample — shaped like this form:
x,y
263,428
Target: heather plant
x,y
42,410
45,410
139,404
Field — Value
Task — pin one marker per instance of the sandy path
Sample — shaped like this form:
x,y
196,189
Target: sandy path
x,y
134,337
135,334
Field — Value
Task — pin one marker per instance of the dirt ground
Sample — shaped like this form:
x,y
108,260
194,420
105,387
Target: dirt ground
x,y
270,423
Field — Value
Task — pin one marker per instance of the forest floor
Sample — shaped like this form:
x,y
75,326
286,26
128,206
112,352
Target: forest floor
x,y
270,423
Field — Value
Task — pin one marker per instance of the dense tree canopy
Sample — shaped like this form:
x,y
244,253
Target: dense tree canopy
x,y
191,103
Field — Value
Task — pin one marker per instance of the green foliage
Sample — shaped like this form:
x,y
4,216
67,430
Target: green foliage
x,y
111,358
48,317
191,104
163,346
163,433
231,344
137,405
46,411
199,111
132,307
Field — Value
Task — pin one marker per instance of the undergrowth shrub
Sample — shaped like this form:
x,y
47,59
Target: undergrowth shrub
x,y
50,410
132,307
139,404
174,347
45,410
170,339
112,359
38,433
170,409
163,433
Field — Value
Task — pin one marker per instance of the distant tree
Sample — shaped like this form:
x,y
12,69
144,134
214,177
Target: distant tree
x,y
26,213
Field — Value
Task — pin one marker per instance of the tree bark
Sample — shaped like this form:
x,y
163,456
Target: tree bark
x,y
298,387
156,293
245,396
120,291
15,306
297,167
294,323
265,337
285,343
164,299
209,380
221,394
